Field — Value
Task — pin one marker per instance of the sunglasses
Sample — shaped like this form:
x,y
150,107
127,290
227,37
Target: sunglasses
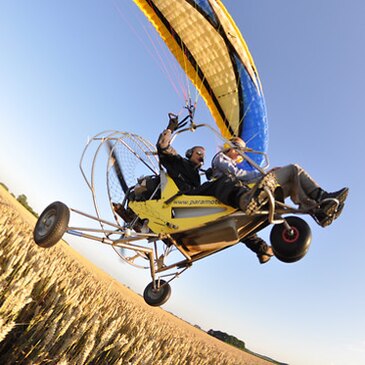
x,y
199,153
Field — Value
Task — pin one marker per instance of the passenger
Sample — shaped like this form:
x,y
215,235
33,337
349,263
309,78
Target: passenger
x,y
295,182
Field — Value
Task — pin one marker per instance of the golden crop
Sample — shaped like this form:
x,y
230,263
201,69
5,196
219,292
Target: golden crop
x,y
56,310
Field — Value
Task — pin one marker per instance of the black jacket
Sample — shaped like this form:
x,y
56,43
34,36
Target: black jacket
x,y
184,173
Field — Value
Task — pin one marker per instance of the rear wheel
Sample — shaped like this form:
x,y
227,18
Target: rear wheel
x,y
51,225
291,245
158,295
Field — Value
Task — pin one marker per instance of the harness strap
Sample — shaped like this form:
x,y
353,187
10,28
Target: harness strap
x,y
172,198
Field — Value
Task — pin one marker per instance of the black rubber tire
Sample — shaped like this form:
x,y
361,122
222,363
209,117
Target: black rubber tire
x,y
290,260
51,225
291,249
157,297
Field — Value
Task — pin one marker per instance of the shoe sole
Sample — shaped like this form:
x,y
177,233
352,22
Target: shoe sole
x,y
330,206
329,220
263,259
338,211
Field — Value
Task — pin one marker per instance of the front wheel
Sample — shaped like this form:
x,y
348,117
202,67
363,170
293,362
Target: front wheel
x,y
158,295
291,245
51,225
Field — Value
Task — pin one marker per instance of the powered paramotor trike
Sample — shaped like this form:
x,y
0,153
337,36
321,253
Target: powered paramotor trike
x,y
152,220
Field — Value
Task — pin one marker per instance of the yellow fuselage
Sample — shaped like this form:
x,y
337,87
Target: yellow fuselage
x,y
168,216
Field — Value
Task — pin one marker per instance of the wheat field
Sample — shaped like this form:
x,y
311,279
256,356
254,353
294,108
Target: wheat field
x,y
57,308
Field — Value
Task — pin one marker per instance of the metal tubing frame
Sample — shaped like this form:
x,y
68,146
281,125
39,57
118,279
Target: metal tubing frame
x,y
120,242
125,242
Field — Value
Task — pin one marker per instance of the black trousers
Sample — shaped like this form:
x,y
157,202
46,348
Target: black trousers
x,y
255,244
225,189
228,192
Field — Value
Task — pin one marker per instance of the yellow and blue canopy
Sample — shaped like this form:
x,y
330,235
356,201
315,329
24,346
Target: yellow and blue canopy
x,y
210,48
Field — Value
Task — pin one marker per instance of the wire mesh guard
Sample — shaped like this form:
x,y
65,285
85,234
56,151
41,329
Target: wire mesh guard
x,y
130,158
116,160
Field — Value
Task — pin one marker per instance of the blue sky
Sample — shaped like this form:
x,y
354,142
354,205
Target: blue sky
x,y
71,69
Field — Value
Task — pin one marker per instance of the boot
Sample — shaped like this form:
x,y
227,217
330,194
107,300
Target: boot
x,y
256,244
329,203
324,219
265,257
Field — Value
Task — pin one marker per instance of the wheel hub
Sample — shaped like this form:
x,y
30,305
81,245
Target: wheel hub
x,y
47,223
290,235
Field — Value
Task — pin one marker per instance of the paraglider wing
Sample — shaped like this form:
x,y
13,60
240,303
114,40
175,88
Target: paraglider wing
x,y
210,48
